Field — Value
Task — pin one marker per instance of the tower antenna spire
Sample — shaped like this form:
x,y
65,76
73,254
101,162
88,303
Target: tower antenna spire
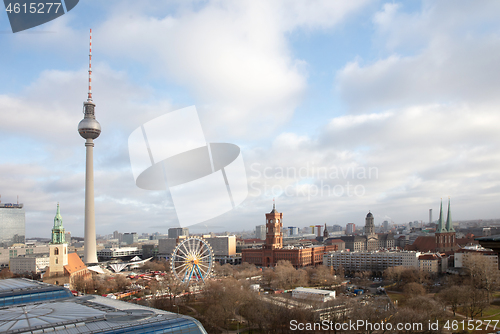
x,y
90,67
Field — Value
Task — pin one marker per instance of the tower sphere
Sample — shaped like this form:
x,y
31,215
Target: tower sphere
x,y
89,128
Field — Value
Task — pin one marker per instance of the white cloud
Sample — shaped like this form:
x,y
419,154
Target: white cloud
x,y
232,56
456,63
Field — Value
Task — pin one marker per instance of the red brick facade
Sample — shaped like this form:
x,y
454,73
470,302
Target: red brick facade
x,y
273,251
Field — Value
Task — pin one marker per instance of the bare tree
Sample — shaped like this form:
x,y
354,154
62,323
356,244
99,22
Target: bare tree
x,y
6,273
417,311
413,289
483,273
452,297
476,300
321,275
224,298
121,282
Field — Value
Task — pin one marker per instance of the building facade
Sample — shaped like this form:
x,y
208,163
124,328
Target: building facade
x,y
350,228
63,267
433,263
9,253
29,264
130,238
272,251
174,233
370,241
12,224
260,232
374,261
124,253
444,239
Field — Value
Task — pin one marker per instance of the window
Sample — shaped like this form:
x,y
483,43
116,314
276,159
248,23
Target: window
x,y
56,251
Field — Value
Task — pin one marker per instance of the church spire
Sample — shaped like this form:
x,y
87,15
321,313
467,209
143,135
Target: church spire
x,y
441,228
449,223
58,229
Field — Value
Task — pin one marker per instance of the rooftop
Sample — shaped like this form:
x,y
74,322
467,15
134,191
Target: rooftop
x,y
87,314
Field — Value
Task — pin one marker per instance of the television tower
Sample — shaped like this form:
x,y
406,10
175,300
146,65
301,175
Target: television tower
x,y
89,128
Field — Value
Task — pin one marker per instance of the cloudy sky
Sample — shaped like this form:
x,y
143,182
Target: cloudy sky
x,y
339,107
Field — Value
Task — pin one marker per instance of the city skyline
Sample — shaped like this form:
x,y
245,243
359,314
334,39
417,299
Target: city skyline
x,y
338,108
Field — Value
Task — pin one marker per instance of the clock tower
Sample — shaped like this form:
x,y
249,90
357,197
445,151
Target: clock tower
x,y
58,247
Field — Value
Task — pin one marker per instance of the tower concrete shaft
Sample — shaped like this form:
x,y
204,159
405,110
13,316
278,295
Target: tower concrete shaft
x,y
90,254
89,128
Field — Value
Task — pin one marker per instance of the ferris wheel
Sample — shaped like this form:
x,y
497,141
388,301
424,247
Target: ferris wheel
x,y
192,260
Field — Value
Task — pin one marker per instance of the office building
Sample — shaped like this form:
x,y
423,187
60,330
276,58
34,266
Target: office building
x,y
67,237
33,263
337,228
12,224
166,247
223,245
260,232
374,261
350,228
123,253
175,232
465,257
8,253
385,225
130,238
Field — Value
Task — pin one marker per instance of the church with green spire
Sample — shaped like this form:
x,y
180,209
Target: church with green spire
x,y
445,235
58,247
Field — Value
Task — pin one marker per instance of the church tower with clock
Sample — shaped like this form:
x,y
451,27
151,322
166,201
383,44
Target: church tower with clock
x,y
58,247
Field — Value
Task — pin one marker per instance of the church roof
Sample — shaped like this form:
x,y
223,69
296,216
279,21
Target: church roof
x,y
449,223
74,263
423,244
441,228
335,241
369,215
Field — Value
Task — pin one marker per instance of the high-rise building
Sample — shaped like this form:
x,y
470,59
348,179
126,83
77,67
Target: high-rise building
x,y
175,232
385,225
223,245
350,228
67,237
337,228
89,128
12,224
260,232
130,238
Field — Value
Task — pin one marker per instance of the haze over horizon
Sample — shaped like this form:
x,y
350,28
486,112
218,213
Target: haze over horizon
x,y
338,108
